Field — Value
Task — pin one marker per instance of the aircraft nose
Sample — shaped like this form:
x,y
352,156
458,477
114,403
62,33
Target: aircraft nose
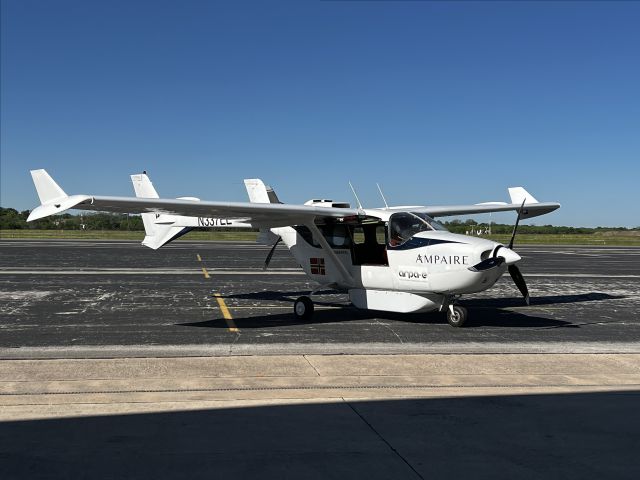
x,y
510,257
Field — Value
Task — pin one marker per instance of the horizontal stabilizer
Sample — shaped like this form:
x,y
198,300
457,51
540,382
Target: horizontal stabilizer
x,y
52,198
162,236
57,206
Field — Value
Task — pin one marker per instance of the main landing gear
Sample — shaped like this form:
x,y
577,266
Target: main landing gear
x,y
456,315
303,308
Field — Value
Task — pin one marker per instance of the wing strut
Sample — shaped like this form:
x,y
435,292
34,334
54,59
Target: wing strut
x,y
329,251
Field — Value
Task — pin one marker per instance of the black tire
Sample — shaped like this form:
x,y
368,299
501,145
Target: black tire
x,y
458,317
303,308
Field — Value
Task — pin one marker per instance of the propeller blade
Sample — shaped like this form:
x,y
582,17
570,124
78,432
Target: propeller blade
x,y
515,227
518,279
273,249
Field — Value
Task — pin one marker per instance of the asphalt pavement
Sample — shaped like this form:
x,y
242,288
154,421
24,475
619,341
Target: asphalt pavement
x,y
214,297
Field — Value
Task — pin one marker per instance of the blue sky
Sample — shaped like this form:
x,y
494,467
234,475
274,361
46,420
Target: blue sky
x,y
440,102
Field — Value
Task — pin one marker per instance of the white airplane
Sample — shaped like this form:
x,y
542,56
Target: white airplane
x,y
395,259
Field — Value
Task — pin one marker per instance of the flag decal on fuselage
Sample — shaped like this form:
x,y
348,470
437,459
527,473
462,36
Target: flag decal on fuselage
x,y
317,266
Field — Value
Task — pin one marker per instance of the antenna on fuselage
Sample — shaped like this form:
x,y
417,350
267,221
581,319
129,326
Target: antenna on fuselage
x,y
386,205
355,195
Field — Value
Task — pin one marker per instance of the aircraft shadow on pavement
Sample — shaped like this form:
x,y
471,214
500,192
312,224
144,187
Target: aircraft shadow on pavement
x,y
487,317
540,300
484,312
566,435
280,296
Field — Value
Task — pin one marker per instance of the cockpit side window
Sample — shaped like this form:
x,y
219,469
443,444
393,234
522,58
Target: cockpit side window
x,y
404,225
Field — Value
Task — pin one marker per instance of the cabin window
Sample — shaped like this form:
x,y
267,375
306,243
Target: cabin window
x,y
367,242
357,235
336,236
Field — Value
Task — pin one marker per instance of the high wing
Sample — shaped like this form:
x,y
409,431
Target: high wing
x,y
54,200
519,198
529,210
260,215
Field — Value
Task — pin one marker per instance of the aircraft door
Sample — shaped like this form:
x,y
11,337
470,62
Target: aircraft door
x,y
369,244
369,255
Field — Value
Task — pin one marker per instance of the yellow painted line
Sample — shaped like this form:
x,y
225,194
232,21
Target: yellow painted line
x,y
226,313
223,306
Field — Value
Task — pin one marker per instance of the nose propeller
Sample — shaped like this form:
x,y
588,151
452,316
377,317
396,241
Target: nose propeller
x,y
515,227
502,255
518,279
514,271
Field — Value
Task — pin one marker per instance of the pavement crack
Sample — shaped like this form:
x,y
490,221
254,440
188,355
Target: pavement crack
x,y
235,340
391,330
311,365
391,447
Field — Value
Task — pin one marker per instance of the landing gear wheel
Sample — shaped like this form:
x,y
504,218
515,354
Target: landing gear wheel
x,y
457,315
303,308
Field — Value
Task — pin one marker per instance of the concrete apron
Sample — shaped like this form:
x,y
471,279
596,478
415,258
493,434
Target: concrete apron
x,y
39,389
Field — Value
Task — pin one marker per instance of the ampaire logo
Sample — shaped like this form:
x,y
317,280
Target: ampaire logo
x,y
443,259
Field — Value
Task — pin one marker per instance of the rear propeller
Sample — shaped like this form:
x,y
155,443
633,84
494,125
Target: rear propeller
x,y
514,271
271,252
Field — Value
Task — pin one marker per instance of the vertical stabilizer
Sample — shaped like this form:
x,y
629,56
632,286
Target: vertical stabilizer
x,y
157,234
48,190
143,186
259,193
519,195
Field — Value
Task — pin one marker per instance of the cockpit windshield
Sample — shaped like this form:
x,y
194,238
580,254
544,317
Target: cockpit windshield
x,y
404,225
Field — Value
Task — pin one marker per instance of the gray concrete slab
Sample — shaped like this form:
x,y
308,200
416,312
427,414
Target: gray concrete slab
x,y
520,436
302,377
337,416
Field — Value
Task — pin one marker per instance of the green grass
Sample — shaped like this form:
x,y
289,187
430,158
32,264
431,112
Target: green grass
x,y
627,238
615,238
119,235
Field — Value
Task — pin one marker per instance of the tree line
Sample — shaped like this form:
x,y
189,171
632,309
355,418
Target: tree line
x,y
471,226
11,219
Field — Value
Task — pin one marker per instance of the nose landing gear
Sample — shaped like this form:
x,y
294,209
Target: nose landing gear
x,y
456,315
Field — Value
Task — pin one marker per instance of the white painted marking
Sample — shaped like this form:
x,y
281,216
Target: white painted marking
x,y
145,271
578,275
222,271
23,295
